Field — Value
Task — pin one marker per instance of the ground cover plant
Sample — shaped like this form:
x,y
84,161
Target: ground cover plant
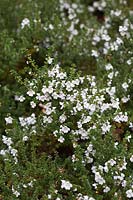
x,y
66,100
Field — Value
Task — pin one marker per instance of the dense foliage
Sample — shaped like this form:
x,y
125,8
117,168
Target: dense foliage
x,y
66,100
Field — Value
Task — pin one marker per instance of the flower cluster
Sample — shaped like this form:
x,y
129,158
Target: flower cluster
x,y
75,108
67,134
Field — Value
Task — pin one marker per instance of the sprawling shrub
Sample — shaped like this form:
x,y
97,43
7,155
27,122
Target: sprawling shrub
x,y
71,139
66,100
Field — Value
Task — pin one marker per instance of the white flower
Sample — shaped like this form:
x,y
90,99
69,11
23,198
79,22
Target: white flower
x,y
131,125
106,127
79,124
92,108
96,4
112,162
61,75
14,152
19,98
15,192
83,133
106,37
6,140
111,91
119,41
117,13
110,75
129,62
106,189
94,53
106,169
105,106
96,38
121,118
123,30
62,118
25,138
3,152
125,99
50,89
86,197
33,104
131,158
8,120
115,103
64,129
108,67
51,27
16,97
91,9
75,32
99,179
125,86
30,93
128,138
90,148
86,119
47,119
49,196
61,139
129,193
74,158
49,60
66,185
69,86
31,120
89,160
124,164
79,106
31,183
25,22
124,183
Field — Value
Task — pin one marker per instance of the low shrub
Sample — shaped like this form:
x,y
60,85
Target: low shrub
x,y
71,139
66,100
